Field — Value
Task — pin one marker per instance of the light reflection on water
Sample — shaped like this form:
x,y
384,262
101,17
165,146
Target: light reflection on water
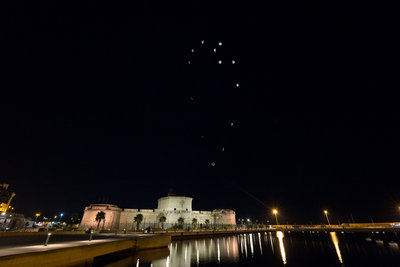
x,y
274,249
335,241
194,252
280,236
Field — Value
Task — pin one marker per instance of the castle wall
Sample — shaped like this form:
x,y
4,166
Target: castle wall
x,y
112,216
116,217
172,203
224,216
128,217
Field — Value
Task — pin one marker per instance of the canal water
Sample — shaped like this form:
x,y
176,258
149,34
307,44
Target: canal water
x,y
275,249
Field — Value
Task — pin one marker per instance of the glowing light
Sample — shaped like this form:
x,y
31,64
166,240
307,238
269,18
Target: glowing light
x,y
335,241
189,62
219,61
213,163
137,263
220,43
192,50
215,50
327,218
233,61
237,84
280,236
231,123
202,41
218,253
275,211
251,244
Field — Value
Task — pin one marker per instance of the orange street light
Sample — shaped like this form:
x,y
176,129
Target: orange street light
x,y
275,212
327,218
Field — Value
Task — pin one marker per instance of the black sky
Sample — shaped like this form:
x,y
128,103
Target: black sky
x,y
96,106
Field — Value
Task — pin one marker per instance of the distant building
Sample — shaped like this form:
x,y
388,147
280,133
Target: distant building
x,y
6,196
172,207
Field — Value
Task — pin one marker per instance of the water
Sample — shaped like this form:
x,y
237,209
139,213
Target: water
x,y
275,249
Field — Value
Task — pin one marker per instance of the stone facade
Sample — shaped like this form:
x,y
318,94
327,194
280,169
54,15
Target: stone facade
x,y
172,207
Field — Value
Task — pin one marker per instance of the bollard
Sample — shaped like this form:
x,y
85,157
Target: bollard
x,y
91,235
47,239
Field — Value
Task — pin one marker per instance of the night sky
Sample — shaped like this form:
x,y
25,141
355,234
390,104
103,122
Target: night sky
x,y
99,104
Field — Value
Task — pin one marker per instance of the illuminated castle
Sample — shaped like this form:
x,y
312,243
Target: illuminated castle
x,y
172,207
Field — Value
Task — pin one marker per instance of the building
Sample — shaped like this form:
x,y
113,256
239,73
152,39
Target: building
x,y
6,196
172,207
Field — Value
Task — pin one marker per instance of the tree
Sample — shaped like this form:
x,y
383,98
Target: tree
x,y
194,221
138,219
99,217
181,221
162,220
74,219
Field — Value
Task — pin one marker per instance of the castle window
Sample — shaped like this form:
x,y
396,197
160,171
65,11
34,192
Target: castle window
x,y
174,208
138,209
186,209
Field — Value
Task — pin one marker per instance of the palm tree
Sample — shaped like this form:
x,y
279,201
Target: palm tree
x,y
181,221
99,217
138,219
194,221
162,220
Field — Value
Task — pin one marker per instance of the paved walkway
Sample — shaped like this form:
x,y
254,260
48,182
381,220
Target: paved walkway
x,y
41,248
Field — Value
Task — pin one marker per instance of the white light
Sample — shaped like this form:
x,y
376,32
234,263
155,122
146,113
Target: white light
x,y
220,43
189,62
202,41
215,49
231,123
192,50
219,61
233,61
280,236
213,163
237,84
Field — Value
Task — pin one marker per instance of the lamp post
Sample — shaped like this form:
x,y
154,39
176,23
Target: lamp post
x,y
275,212
327,218
37,215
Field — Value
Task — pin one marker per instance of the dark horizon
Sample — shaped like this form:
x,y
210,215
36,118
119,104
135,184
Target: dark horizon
x,y
99,103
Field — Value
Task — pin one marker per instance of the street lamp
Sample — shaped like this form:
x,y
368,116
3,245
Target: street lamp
x,y
275,212
37,215
327,218
61,214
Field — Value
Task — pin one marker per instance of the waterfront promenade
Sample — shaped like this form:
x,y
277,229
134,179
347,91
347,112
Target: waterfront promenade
x,y
68,248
